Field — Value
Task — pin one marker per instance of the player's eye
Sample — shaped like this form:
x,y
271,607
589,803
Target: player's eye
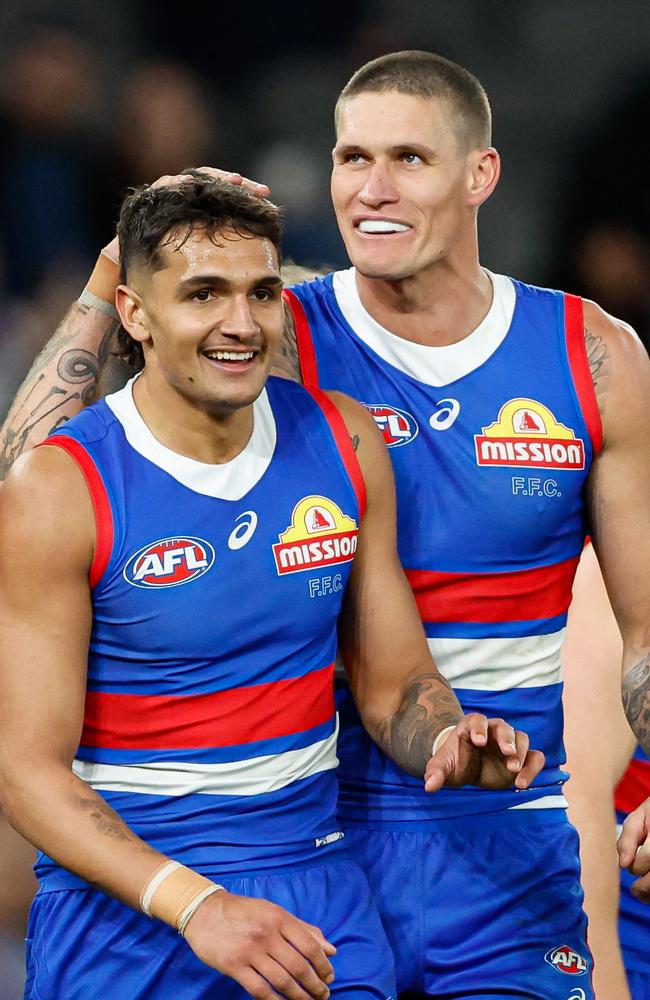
x,y
263,295
202,295
411,158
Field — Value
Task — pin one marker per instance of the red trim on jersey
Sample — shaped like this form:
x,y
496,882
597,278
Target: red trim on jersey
x,y
634,786
574,331
344,443
304,342
218,719
526,595
100,502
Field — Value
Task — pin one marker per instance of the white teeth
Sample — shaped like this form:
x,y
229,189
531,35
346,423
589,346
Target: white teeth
x,y
382,226
229,355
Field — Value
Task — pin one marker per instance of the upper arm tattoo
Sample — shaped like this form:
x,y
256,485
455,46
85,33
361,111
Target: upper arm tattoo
x,y
287,362
599,360
356,441
41,403
636,700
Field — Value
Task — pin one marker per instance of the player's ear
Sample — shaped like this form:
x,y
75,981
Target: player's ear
x,y
484,169
129,307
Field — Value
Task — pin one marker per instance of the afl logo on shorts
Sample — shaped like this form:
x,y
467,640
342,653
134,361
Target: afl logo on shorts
x,y
565,959
169,562
397,426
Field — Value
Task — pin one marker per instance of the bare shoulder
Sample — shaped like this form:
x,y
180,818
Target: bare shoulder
x,y
43,500
367,443
357,419
619,365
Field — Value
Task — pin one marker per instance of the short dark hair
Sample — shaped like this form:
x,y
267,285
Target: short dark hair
x,y
424,74
151,217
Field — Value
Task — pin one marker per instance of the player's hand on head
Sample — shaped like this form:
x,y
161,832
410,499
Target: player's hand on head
x,y
485,752
264,948
633,847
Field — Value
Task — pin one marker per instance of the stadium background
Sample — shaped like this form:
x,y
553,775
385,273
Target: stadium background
x,y
96,97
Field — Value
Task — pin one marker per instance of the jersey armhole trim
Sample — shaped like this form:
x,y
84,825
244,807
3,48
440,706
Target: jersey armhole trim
x,y
579,365
342,438
99,497
304,341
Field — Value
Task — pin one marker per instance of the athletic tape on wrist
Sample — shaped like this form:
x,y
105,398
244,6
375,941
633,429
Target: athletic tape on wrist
x,y
174,893
101,284
440,739
89,299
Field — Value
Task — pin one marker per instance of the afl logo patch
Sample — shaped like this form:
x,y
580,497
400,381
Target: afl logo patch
x,y
397,426
169,562
565,959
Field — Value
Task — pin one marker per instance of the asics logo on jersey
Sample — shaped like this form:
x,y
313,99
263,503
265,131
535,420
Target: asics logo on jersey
x,y
397,426
169,562
526,434
320,534
445,414
565,959
240,535
577,994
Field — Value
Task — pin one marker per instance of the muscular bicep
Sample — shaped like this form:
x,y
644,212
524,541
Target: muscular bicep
x,y
46,547
62,380
619,482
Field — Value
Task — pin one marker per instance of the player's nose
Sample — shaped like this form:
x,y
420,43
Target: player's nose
x,y
379,188
238,320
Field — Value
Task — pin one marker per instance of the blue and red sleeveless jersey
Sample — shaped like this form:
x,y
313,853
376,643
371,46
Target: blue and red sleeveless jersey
x,y
491,441
210,723
634,916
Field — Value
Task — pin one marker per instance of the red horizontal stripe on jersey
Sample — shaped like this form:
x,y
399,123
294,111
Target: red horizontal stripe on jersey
x,y
634,786
218,719
525,595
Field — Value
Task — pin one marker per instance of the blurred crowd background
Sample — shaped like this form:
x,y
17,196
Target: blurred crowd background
x,y
94,98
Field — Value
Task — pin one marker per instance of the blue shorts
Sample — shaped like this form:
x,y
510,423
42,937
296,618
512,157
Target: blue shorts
x,y
83,945
634,933
484,907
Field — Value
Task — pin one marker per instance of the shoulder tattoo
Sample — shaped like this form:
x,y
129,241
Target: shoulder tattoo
x,y
287,363
599,360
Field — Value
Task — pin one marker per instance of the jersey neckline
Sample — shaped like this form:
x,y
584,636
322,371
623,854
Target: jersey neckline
x,y
227,481
435,366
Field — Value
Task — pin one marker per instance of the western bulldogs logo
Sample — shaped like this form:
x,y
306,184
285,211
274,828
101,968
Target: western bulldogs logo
x,y
397,426
169,562
565,959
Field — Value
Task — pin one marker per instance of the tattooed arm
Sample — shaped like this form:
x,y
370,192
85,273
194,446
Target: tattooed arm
x,y
64,377
619,498
404,702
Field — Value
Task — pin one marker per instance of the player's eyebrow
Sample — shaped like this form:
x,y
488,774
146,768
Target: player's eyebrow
x,y
426,152
220,283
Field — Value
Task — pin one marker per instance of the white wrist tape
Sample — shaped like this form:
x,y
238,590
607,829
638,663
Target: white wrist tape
x,y
158,878
440,739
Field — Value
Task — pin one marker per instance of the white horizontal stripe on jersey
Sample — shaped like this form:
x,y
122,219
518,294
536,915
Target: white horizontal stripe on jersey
x,y
255,776
545,802
500,664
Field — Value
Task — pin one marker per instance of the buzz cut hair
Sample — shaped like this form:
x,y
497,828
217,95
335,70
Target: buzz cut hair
x,y
430,76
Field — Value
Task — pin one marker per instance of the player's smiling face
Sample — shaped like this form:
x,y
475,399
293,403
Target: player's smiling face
x,y
399,183
212,317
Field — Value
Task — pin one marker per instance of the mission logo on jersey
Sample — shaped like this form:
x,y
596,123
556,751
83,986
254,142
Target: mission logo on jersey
x,y
320,534
527,435
397,426
169,562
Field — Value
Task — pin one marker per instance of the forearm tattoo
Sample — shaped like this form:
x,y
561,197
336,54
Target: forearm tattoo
x,y
428,706
287,363
105,820
47,400
599,364
636,701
